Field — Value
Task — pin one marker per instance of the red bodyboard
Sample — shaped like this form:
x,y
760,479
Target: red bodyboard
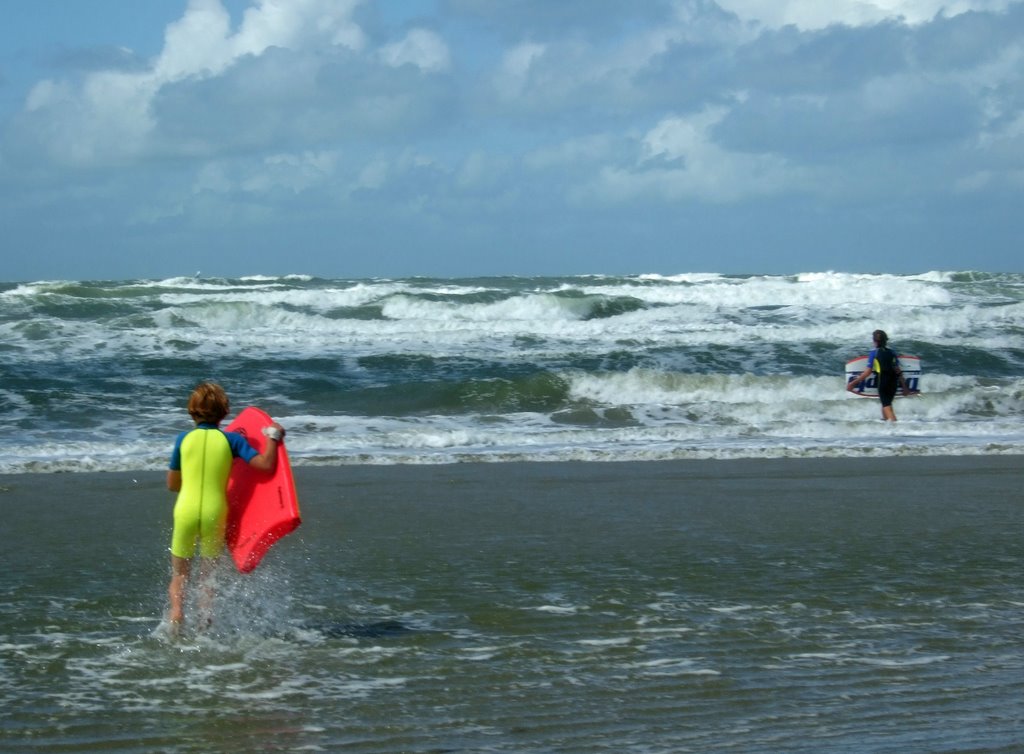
x,y
262,506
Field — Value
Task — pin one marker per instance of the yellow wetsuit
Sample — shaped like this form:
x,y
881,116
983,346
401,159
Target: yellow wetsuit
x,y
201,509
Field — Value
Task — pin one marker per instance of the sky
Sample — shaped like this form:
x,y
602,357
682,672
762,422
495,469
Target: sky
x,y
461,138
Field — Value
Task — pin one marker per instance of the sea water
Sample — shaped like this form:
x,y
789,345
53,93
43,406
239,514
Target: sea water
x,y
793,606
95,375
841,592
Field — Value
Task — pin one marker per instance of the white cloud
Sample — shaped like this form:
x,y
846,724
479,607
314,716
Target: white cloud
x,y
108,117
201,42
194,44
293,172
515,68
290,172
105,120
680,160
817,14
420,47
296,23
46,94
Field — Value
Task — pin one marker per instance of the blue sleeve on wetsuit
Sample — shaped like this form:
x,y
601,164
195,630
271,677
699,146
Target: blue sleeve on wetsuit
x,y
175,464
240,447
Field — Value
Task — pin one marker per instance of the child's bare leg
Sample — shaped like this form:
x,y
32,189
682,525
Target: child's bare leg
x,y
180,569
206,591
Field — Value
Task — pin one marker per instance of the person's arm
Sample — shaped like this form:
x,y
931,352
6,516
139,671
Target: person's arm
x,y
859,379
267,460
903,382
174,468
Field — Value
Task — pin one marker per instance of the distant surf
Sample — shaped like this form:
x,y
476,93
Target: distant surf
x,y
593,368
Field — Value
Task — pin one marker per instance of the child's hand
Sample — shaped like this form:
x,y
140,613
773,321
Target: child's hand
x,y
275,432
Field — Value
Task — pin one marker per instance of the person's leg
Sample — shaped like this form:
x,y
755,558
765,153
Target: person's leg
x,y
183,547
206,591
886,394
211,547
180,570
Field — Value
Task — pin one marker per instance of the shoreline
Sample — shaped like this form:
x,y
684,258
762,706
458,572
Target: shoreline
x,y
309,478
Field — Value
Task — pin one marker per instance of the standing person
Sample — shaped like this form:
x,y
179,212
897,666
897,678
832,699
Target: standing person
x,y
198,472
883,361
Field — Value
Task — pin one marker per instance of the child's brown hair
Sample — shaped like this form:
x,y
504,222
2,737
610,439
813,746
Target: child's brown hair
x,y
208,403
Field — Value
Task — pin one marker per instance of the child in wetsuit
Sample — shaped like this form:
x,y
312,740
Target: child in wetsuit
x,y
198,472
883,361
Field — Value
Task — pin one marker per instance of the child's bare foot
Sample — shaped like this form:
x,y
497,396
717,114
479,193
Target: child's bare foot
x,y
168,630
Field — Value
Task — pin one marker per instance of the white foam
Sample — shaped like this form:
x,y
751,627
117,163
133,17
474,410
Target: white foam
x,y
543,312
556,609
278,318
714,379
619,641
901,662
673,666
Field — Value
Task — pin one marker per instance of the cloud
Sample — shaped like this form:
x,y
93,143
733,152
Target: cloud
x,y
301,100
681,160
304,74
201,42
513,76
108,117
908,112
421,48
818,15
292,173
475,120
197,44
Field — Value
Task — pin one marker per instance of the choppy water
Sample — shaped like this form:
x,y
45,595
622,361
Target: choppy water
x,y
841,605
789,606
94,375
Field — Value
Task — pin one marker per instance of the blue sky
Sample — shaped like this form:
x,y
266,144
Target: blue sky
x,y
480,137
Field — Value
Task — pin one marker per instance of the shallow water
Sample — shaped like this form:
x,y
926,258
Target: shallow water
x,y
843,606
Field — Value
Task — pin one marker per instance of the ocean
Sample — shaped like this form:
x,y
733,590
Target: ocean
x,y
634,515
779,606
95,375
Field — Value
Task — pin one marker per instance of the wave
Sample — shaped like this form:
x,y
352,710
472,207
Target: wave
x,y
439,370
565,305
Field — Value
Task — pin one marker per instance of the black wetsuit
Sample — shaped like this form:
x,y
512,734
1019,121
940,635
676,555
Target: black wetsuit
x,y
886,365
